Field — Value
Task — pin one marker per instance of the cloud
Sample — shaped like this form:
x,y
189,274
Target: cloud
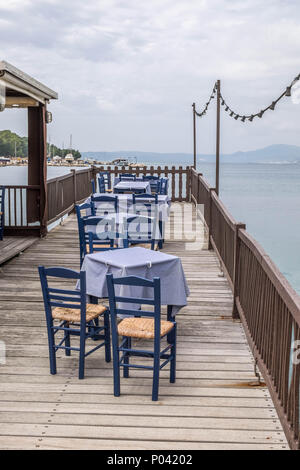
x,y
127,71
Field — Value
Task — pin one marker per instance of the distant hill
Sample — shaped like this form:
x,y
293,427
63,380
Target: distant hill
x,y
273,153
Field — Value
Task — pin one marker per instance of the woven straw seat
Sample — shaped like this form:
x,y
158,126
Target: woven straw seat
x,y
142,327
72,315
105,245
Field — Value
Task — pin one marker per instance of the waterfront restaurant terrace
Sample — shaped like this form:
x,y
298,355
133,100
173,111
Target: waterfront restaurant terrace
x,y
235,386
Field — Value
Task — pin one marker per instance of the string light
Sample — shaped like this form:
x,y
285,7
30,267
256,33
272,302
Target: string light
x,y
287,92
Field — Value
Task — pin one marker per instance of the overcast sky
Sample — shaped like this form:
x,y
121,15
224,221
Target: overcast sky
x,y
128,71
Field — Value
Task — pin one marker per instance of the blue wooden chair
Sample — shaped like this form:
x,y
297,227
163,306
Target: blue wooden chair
x,y
140,324
127,176
101,184
141,231
75,316
86,209
110,204
93,186
164,186
145,203
155,183
104,239
107,180
2,201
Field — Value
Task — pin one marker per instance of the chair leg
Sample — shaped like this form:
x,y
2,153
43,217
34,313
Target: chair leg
x,y
173,361
155,387
51,344
107,336
67,341
116,367
82,351
126,359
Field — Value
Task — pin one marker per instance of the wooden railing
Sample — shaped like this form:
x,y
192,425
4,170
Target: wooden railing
x,y
265,302
21,210
179,178
66,191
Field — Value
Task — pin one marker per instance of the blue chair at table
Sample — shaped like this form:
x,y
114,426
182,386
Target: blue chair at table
x,y
155,182
2,201
75,316
140,324
86,209
109,203
164,186
101,184
100,224
107,180
142,231
127,176
145,203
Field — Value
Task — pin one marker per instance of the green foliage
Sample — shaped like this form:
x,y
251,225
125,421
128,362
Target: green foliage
x,y
8,141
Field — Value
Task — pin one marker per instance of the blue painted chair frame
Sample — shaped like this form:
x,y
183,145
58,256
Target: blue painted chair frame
x,y
164,184
73,299
125,346
107,178
2,207
145,237
126,176
104,244
111,199
101,184
78,208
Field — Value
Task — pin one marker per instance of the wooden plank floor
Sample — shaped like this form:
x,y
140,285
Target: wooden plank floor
x,y
12,246
212,405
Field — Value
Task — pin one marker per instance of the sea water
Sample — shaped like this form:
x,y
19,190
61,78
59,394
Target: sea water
x,y
266,197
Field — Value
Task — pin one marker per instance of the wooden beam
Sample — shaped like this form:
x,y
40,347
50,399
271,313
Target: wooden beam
x,y
37,166
20,102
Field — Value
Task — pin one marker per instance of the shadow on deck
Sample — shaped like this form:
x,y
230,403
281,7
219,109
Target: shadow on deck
x,y
212,405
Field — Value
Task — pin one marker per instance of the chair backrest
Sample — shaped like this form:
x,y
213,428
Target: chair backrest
x,y
101,184
164,186
141,229
145,203
98,232
127,176
150,178
93,186
66,298
144,288
110,206
107,178
88,207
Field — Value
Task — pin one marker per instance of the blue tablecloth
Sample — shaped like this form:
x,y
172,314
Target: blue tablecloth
x,y
141,262
132,185
125,204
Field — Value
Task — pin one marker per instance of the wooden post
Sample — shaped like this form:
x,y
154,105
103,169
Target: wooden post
x,y
238,226
218,137
37,167
194,136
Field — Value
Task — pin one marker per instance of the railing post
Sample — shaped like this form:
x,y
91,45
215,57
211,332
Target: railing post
x,y
236,255
218,137
74,186
194,136
209,223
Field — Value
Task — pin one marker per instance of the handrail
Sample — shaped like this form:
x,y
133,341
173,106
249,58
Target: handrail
x,y
263,299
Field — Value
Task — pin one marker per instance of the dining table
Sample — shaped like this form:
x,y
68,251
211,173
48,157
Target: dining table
x,y
142,262
133,186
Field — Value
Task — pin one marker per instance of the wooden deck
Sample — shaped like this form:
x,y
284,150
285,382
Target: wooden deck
x,y
12,246
213,404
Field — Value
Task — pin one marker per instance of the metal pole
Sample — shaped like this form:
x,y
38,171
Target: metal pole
x,y
194,135
218,137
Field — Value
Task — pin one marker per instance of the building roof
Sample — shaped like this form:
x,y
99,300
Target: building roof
x,y
19,85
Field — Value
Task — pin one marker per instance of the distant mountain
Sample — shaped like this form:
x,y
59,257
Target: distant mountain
x,y
273,153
